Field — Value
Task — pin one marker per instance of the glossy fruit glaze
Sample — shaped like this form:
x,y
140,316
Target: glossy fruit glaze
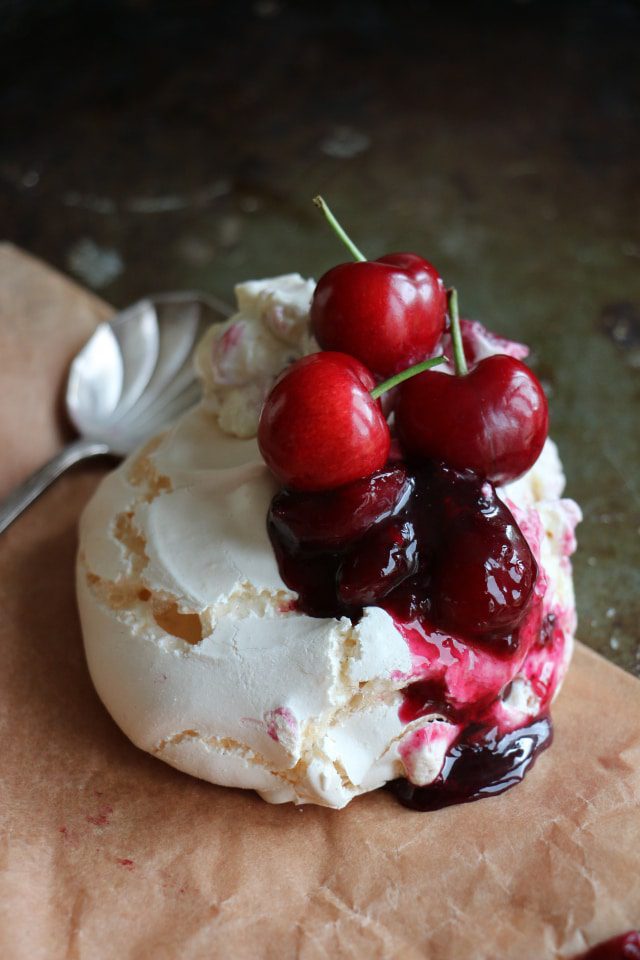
x,y
483,764
624,947
389,313
427,542
320,427
392,540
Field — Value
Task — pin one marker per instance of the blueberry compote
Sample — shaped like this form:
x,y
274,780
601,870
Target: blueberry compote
x,y
438,550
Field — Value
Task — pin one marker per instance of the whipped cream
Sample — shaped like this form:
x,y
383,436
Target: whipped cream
x,y
237,361
196,646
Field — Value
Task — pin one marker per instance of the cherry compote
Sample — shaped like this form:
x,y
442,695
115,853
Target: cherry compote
x,y
335,518
318,538
484,572
482,764
624,947
424,541
439,550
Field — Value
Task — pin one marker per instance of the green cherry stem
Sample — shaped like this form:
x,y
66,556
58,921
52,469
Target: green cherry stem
x,y
341,233
459,358
405,375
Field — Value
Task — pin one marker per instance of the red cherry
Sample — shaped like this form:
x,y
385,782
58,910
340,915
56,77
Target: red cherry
x,y
443,547
381,561
484,571
493,420
320,428
389,313
334,518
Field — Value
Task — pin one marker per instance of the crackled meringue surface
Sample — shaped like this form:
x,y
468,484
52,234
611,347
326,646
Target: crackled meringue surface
x,y
198,651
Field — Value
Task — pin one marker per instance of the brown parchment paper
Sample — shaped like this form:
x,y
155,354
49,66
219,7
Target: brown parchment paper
x,y
108,854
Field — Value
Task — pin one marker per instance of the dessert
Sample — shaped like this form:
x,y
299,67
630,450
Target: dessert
x,y
338,622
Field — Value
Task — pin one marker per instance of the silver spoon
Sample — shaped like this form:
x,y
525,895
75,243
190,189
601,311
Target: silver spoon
x,y
133,377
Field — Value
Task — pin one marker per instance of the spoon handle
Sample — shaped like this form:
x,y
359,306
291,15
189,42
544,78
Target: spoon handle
x,y
26,493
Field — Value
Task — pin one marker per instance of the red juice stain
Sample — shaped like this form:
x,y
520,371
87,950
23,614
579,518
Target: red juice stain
x,y
68,835
101,818
624,947
275,717
287,606
548,629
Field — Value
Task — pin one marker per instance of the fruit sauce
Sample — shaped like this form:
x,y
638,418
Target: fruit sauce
x,y
444,556
481,765
624,947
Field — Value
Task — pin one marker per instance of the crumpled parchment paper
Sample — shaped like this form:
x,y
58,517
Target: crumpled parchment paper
x,y
108,854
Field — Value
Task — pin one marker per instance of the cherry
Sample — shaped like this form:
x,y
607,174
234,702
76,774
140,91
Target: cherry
x,y
311,573
484,571
333,518
493,420
389,312
378,564
320,428
439,545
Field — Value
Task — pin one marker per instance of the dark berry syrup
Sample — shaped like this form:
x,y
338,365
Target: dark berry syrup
x,y
624,947
481,765
442,554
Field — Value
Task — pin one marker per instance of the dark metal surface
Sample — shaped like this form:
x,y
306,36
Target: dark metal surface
x,y
156,145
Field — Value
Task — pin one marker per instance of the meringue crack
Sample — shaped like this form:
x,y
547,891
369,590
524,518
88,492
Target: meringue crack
x,y
143,472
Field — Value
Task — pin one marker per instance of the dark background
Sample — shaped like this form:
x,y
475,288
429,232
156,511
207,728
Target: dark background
x,y
153,145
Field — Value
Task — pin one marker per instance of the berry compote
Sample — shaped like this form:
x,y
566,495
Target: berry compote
x,y
483,764
444,556
427,542
624,947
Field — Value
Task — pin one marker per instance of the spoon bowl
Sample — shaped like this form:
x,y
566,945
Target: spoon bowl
x,y
132,378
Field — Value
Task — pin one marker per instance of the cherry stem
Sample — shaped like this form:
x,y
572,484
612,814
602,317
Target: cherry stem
x,y
405,375
342,234
459,358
